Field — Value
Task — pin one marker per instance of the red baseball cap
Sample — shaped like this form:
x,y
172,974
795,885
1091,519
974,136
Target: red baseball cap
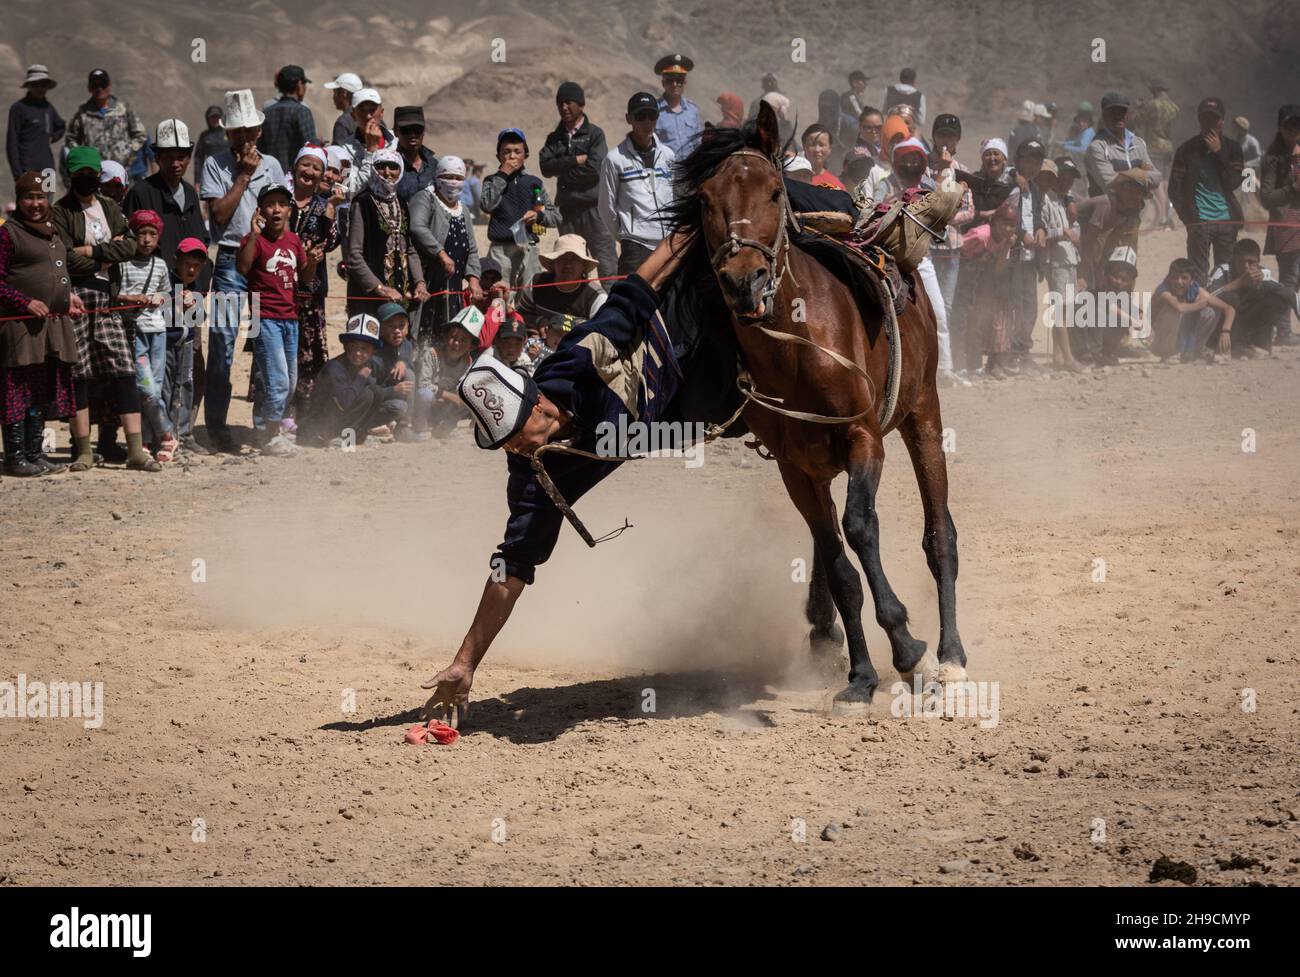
x,y
191,245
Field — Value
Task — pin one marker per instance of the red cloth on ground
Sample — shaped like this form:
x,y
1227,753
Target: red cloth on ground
x,y
437,731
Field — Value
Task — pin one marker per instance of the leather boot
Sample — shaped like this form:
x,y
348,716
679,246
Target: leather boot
x,y
34,428
16,463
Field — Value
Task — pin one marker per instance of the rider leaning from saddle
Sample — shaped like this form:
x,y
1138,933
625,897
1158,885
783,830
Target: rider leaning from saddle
x,y
621,362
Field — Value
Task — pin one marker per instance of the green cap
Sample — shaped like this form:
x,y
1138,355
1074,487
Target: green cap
x,y
83,157
388,310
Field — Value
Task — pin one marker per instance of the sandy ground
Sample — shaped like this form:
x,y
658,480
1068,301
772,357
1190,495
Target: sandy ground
x,y
1121,733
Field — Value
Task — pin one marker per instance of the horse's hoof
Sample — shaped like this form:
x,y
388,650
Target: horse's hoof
x,y
832,639
853,700
826,651
950,673
926,668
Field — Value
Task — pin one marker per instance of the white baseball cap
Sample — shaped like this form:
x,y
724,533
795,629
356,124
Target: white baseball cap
x,y
172,134
366,95
798,164
110,170
347,81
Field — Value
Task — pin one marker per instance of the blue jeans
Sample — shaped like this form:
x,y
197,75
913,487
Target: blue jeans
x,y
150,377
223,330
276,350
178,384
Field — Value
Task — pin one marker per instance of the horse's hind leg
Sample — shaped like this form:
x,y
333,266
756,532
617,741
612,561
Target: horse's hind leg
x,y
813,500
862,529
922,432
826,638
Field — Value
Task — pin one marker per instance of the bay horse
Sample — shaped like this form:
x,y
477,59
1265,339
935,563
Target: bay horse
x,y
730,190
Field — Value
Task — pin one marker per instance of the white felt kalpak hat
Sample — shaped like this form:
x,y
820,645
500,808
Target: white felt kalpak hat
x,y
1123,255
241,110
471,320
172,134
364,328
499,399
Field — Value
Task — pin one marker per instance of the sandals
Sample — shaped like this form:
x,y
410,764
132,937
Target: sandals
x,y
167,450
145,464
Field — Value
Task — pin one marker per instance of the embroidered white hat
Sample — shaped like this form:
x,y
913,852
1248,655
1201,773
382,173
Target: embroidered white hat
x,y
364,328
241,110
1123,255
471,320
347,81
364,95
499,399
172,134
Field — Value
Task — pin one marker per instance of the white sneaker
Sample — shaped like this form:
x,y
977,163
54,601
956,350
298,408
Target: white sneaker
x,y
950,379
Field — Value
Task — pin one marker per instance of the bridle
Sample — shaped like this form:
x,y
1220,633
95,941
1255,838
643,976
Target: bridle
x,y
777,253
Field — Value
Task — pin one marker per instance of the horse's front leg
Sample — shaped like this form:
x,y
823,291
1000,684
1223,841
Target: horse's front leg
x,y
813,500
922,432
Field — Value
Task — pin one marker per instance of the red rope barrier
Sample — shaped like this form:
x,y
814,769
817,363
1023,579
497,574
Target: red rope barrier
x,y
343,298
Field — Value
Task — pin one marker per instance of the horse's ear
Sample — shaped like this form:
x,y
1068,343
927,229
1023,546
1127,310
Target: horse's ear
x,y
769,138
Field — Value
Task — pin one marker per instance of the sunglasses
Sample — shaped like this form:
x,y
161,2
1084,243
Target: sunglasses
x,y
410,130
645,116
98,86
674,80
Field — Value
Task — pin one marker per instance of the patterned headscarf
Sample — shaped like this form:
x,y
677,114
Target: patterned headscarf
x,y
381,188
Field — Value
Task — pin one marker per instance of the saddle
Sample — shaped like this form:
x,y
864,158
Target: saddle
x,y
836,229
893,238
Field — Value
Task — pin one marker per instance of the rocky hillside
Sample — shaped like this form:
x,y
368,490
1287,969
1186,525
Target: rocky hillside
x,y
979,58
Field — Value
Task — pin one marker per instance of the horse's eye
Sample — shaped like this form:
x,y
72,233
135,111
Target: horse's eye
x,y
776,195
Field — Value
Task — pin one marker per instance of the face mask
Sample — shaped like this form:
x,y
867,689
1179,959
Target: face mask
x,y
449,187
85,183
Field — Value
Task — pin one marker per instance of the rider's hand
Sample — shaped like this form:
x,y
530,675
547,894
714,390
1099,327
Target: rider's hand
x,y
450,699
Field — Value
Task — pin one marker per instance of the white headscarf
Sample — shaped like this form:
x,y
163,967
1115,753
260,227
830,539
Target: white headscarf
x,y
999,144
450,179
314,153
381,188
335,155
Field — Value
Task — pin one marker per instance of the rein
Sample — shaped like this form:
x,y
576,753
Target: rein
x,y
777,253
778,257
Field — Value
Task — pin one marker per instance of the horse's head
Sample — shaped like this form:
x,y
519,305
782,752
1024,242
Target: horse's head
x,y
744,210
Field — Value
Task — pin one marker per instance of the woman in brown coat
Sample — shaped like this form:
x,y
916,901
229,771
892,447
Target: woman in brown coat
x,y
38,350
